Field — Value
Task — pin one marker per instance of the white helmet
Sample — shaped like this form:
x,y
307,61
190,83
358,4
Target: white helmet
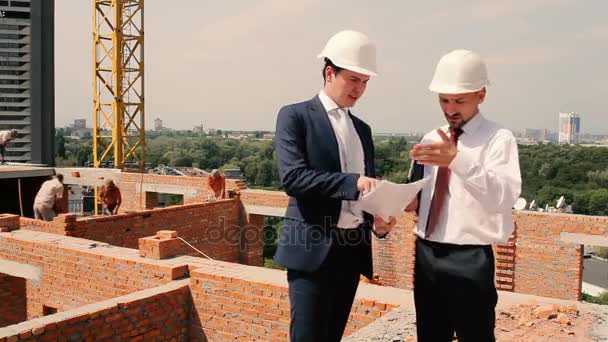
x,y
353,51
459,72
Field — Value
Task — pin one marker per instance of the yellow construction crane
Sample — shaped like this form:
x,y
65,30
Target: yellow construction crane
x,y
118,85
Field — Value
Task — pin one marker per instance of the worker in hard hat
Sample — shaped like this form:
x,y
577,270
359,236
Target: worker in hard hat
x,y
50,191
6,137
473,166
110,198
325,161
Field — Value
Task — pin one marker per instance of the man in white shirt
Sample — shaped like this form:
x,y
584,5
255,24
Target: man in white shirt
x,y
475,180
48,194
5,138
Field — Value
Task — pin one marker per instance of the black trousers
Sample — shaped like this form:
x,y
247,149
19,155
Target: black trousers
x,y
321,300
454,292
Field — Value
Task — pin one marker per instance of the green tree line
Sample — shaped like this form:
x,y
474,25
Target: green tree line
x,y
578,173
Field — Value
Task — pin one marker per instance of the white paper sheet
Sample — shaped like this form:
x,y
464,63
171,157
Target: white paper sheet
x,y
389,199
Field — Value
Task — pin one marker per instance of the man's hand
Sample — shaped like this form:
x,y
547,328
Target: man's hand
x,y
413,206
383,227
366,184
440,153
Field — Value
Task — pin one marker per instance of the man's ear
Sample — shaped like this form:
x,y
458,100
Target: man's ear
x,y
482,95
329,74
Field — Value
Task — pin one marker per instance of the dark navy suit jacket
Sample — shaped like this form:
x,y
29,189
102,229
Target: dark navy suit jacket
x,y
310,173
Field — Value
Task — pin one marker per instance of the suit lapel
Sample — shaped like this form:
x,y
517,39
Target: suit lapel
x,y
321,117
367,152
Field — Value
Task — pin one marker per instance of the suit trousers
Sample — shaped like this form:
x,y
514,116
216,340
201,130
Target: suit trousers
x,y
321,300
454,292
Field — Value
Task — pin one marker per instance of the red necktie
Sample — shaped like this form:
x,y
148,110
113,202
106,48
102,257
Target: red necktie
x,y
441,187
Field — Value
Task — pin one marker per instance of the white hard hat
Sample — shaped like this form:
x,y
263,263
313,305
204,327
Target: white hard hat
x,y
459,72
353,51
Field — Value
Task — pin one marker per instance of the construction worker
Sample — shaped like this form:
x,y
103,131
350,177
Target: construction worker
x,y
326,162
5,138
110,198
62,205
473,166
50,191
216,183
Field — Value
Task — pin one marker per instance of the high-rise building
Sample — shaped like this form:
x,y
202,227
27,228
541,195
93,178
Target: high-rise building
x,y
158,124
569,128
27,78
80,124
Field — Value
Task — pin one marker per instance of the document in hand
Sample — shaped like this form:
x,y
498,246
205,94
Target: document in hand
x,y
389,199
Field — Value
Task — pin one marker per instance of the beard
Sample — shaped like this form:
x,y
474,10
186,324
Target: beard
x,y
455,120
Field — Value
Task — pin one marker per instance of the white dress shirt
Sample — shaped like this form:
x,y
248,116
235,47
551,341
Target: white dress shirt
x,y
484,184
48,193
352,159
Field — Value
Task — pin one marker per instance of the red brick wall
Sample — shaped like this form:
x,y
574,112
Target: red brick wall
x,y
223,302
211,227
75,272
504,255
159,314
393,256
265,198
13,307
543,264
231,306
9,221
53,227
535,253
133,187
253,241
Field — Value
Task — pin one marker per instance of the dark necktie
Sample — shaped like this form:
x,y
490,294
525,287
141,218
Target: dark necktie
x,y
441,188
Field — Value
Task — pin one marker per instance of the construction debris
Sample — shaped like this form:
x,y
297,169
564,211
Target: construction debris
x,y
546,322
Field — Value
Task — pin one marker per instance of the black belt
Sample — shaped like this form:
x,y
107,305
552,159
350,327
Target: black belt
x,y
444,245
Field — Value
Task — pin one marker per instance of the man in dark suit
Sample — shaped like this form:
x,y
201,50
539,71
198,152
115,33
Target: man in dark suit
x,y
326,162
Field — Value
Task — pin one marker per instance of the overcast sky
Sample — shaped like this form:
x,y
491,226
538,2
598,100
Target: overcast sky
x,y
232,64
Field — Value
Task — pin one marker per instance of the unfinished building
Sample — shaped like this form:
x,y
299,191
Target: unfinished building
x,y
140,275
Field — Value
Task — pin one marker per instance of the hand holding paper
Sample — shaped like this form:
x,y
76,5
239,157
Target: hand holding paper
x,y
388,199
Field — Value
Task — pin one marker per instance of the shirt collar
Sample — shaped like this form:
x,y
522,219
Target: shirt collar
x,y
473,125
328,103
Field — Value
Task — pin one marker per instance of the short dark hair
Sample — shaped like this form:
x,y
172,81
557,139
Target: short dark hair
x,y
331,64
59,177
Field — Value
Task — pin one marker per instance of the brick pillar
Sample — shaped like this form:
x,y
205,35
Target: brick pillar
x,y
163,245
252,240
9,222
